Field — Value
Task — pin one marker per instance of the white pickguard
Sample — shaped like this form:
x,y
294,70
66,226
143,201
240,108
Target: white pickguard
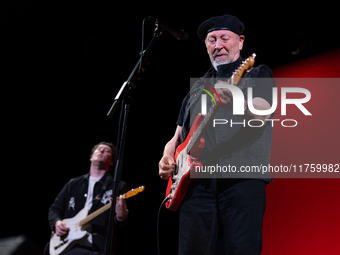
x,y
79,223
60,245
182,168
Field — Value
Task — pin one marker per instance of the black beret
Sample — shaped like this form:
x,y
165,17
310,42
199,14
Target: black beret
x,y
225,22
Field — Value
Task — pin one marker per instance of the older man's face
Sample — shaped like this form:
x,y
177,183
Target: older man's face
x,y
223,46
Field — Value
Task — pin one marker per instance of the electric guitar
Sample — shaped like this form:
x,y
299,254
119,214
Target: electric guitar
x,y
188,152
78,224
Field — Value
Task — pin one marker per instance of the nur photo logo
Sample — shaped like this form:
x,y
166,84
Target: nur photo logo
x,y
303,95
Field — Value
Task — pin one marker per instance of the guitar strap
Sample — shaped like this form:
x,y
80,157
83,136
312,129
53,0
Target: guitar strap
x,y
99,196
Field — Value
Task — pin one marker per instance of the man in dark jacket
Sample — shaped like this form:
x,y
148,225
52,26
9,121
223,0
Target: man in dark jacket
x,y
91,191
222,212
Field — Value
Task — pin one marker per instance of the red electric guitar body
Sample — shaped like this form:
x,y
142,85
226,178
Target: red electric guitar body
x,y
185,164
187,153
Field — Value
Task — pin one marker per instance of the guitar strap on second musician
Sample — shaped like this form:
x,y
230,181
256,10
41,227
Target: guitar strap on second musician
x,y
99,196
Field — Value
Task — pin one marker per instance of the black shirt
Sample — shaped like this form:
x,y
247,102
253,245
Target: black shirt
x,y
72,199
262,89
224,144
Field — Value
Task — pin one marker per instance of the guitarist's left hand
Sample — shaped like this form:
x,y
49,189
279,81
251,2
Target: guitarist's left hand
x,y
258,103
120,209
226,97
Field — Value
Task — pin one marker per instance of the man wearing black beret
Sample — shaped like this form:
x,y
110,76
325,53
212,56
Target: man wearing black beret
x,y
223,214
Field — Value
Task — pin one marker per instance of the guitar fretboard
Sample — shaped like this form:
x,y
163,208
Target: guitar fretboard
x,y
106,207
93,215
199,132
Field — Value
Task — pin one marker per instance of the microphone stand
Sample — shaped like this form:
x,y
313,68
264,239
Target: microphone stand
x,y
124,97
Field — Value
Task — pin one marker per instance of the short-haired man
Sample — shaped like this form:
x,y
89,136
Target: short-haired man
x,y
92,191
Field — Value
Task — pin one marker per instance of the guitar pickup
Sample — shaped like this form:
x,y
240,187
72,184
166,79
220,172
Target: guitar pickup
x,y
175,170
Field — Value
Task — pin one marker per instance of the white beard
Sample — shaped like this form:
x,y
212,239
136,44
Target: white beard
x,y
217,62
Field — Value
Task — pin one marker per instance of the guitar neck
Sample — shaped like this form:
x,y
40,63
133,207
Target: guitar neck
x,y
234,80
93,215
205,123
106,207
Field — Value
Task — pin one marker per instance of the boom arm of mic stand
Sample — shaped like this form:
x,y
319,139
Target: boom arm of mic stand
x,y
132,80
123,96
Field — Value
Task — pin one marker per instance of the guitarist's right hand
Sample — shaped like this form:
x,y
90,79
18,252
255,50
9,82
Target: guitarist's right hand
x,y
61,228
167,163
166,166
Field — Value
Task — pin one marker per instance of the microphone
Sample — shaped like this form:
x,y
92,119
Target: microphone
x,y
180,34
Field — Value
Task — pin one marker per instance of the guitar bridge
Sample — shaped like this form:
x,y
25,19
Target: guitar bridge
x,y
62,242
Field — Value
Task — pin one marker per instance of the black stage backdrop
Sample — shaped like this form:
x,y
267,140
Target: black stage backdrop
x,y
62,65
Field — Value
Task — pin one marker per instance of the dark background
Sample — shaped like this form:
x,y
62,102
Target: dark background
x,y
62,64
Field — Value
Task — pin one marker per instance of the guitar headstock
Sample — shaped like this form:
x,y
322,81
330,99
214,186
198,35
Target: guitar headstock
x,y
133,192
242,69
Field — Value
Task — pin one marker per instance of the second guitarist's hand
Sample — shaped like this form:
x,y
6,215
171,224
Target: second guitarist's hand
x,y
120,209
61,228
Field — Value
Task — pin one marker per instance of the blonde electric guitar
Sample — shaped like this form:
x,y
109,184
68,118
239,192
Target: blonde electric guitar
x,y
78,225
